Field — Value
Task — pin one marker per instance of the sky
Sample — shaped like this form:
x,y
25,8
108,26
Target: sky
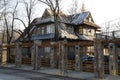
x,y
102,10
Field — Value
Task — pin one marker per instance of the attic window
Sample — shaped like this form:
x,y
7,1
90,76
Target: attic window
x,y
90,19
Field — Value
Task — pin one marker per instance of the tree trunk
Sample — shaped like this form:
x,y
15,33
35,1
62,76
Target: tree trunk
x,y
56,27
8,55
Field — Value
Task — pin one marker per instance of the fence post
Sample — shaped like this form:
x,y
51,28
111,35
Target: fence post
x,y
99,62
18,57
78,58
112,59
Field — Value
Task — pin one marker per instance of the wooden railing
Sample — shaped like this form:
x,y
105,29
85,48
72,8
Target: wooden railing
x,y
71,64
12,59
109,35
88,66
45,62
26,61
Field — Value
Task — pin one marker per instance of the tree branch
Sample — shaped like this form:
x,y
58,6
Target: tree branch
x,y
21,21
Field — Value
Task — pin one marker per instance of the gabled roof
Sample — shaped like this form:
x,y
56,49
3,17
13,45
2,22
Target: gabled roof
x,y
76,19
44,20
47,13
50,18
79,18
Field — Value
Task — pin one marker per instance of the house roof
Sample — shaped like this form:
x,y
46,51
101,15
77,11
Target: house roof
x,y
79,18
42,37
84,37
76,19
44,20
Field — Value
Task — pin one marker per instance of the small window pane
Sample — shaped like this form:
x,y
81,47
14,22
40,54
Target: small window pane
x,y
42,30
80,30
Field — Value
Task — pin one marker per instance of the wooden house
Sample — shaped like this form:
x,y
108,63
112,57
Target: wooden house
x,y
75,32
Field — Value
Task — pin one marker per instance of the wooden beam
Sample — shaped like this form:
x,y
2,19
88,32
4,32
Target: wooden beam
x,y
26,44
81,43
111,41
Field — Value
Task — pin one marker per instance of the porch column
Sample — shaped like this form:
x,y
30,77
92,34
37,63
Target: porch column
x,y
112,59
4,55
52,59
78,58
18,56
99,59
36,57
63,55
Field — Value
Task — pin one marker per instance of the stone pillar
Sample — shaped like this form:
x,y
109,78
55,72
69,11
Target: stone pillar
x,y
33,57
112,59
52,59
59,55
4,54
36,57
99,59
78,58
63,52
18,56
0,55
56,57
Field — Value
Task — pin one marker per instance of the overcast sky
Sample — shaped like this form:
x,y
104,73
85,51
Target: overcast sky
x,y
102,10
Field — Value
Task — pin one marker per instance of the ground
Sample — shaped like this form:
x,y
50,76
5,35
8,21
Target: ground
x,y
12,74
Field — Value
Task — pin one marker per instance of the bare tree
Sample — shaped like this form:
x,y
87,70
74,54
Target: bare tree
x,y
8,19
73,7
28,6
117,25
55,8
1,4
29,11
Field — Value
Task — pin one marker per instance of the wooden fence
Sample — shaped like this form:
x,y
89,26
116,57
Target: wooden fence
x,y
88,66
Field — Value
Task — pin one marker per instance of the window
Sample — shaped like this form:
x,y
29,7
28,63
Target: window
x,y
89,30
90,20
50,29
80,30
47,49
42,30
70,29
38,30
71,53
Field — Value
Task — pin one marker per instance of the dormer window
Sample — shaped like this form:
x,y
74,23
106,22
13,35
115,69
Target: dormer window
x,y
90,19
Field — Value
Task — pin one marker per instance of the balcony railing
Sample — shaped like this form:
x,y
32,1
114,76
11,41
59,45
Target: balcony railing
x,y
109,35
